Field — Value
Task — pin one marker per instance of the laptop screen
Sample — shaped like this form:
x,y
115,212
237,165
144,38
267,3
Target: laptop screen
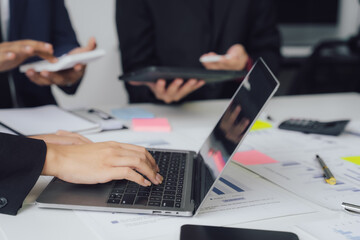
x,y
256,89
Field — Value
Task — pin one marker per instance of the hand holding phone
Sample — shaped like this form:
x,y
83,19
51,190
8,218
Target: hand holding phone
x,y
65,62
211,58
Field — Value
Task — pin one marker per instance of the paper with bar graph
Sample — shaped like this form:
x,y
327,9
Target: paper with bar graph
x,y
296,169
346,227
248,198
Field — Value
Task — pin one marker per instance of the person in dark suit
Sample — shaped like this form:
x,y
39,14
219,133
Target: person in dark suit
x,y
177,33
45,24
69,157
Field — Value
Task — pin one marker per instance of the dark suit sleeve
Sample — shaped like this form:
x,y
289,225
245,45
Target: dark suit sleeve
x,y
22,160
263,36
136,38
63,35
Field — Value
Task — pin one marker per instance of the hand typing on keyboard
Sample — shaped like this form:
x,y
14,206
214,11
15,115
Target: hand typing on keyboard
x,y
167,194
101,162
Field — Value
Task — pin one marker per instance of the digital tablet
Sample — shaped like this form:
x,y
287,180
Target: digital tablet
x,y
152,74
64,62
196,232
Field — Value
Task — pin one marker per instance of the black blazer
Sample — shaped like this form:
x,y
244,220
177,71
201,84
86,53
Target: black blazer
x,y
178,32
41,20
21,160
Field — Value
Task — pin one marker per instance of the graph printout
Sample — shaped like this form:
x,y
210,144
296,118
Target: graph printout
x,y
346,227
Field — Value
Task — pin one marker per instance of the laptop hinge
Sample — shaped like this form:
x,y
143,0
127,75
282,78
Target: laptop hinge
x,y
201,184
196,182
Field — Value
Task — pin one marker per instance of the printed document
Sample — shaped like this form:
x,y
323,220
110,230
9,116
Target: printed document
x,y
258,199
44,120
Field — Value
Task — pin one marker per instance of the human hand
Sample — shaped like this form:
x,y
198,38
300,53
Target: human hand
x,y
175,91
101,162
12,54
233,130
63,138
235,59
65,77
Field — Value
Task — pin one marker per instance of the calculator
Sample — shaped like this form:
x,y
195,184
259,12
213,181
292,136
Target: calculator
x,y
333,128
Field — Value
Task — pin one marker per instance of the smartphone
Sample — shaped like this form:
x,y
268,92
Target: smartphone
x,y
64,62
210,59
197,232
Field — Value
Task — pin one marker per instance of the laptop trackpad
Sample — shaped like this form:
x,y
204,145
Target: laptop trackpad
x,y
64,193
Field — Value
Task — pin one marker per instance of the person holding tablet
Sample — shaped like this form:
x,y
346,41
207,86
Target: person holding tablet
x,y
36,29
70,157
179,33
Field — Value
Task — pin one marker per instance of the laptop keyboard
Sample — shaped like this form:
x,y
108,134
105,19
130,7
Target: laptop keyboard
x,y
167,194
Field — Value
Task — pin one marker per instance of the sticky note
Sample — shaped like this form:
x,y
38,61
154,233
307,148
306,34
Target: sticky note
x,y
260,125
151,124
130,113
354,159
252,157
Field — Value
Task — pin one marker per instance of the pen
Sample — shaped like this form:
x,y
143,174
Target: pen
x,y
101,114
329,177
268,117
351,207
12,130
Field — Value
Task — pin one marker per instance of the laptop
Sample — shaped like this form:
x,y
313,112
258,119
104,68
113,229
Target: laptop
x,y
188,176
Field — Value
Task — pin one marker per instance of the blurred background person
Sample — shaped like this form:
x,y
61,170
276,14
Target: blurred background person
x,y
41,29
177,33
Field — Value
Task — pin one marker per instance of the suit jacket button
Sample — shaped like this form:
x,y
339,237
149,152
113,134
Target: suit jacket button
x,y
3,202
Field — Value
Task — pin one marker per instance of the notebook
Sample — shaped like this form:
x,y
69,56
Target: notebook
x,y
44,120
188,176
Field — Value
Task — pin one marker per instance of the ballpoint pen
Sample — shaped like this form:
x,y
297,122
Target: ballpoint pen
x,y
329,177
100,114
11,129
351,207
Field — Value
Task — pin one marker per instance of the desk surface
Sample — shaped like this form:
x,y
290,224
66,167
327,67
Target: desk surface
x,y
195,120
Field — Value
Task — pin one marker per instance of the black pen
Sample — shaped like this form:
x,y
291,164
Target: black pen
x,y
268,117
329,177
101,114
11,129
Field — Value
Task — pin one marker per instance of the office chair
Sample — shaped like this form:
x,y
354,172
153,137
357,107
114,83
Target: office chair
x,y
334,66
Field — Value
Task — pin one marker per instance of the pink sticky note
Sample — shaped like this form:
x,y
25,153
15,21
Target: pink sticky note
x,y
252,157
151,124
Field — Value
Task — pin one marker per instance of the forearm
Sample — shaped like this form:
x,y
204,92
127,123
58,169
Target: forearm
x,y
63,34
22,161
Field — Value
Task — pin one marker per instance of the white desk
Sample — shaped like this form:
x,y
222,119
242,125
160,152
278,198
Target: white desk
x,y
193,120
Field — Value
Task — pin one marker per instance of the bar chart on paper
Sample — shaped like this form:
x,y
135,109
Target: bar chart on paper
x,y
227,185
345,228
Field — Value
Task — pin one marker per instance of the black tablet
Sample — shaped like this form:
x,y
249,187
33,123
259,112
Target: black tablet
x,y
152,74
197,232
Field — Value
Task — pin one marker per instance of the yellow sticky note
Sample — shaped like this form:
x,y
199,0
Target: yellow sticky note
x,y
354,159
260,125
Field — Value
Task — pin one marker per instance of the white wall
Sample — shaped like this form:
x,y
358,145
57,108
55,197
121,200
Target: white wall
x,y
100,85
349,18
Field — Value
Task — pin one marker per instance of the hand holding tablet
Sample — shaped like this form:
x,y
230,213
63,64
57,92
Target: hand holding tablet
x,y
154,73
64,62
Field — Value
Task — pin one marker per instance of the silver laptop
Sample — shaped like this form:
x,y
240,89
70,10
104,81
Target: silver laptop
x,y
188,176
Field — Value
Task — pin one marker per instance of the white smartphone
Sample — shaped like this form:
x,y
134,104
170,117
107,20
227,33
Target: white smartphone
x,y
64,62
213,58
